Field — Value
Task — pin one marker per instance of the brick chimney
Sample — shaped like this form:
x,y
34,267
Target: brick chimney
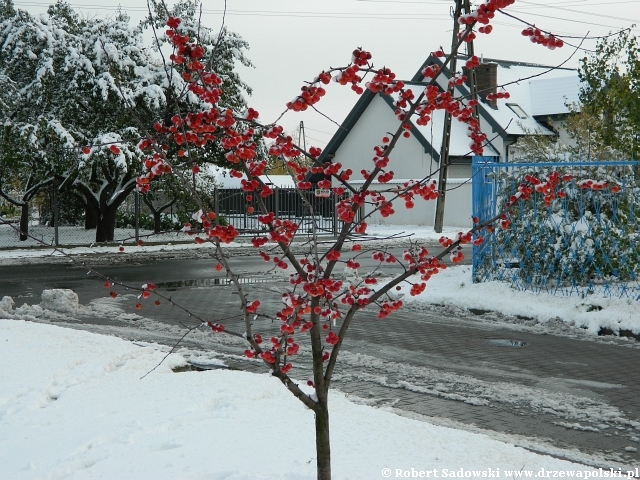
x,y
487,81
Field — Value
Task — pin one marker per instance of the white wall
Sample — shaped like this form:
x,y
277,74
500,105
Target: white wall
x,y
408,159
563,135
457,206
492,136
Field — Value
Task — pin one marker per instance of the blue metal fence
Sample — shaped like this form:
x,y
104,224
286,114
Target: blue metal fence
x,y
580,236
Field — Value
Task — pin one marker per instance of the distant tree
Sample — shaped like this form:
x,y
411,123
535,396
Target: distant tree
x,y
611,92
67,117
584,129
83,92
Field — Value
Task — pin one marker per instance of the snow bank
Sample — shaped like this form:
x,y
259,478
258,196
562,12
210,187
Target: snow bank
x,y
45,253
60,300
6,305
454,287
417,232
73,404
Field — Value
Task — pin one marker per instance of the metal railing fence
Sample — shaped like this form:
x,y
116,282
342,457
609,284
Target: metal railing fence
x,y
60,220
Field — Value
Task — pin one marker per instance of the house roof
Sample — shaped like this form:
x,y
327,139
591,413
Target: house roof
x,y
459,143
224,180
530,96
550,96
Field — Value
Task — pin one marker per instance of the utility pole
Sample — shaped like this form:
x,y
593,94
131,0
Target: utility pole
x,y
446,134
473,78
302,138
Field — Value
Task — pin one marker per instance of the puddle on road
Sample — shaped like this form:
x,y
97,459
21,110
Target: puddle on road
x,y
506,342
210,282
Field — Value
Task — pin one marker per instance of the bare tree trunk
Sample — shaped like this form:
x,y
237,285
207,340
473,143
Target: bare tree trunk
x,y
157,219
104,208
90,218
24,221
157,212
106,225
323,447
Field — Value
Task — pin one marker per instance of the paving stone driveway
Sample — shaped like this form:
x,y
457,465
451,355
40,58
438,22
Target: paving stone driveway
x,y
573,393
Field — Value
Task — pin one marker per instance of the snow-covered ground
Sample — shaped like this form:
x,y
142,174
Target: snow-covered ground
x,y
73,405
417,232
26,253
175,241
76,236
454,287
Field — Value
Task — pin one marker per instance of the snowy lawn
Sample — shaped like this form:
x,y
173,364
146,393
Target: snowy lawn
x,y
453,286
68,235
73,405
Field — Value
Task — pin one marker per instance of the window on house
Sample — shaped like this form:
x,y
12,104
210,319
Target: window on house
x,y
515,108
459,160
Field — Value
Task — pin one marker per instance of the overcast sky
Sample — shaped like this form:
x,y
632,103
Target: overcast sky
x,y
293,40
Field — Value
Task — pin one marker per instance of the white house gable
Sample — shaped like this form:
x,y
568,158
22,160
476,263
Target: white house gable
x,y
408,160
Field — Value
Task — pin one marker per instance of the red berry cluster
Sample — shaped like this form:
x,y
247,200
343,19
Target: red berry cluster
x,y
332,338
284,146
360,57
417,289
430,71
473,62
156,166
485,12
310,96
457,80
216,327
384,81
457,256
496,96
467,36
387,308
350,75
324,77
544,39
445,242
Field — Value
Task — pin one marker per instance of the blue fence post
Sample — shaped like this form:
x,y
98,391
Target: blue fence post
x,y
483,201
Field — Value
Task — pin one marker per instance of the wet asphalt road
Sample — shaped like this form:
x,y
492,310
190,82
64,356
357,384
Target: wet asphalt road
x,y
26,282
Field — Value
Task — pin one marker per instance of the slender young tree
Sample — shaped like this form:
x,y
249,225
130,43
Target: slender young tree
x,y
319,306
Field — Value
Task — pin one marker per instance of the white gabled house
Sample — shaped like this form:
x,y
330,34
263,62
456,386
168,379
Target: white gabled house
x,y
538,101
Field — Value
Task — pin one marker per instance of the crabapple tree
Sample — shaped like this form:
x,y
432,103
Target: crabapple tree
x,y
319,306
